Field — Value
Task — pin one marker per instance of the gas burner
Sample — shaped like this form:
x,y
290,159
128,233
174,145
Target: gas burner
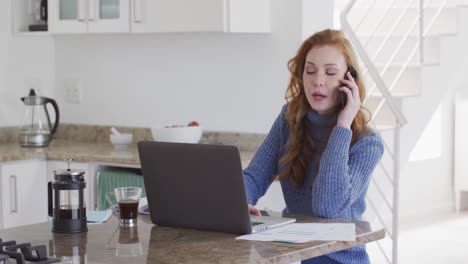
x,y
26,254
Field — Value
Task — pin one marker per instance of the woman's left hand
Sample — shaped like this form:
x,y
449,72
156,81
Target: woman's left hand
x,y
353,102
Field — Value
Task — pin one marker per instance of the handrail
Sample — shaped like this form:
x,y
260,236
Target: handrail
x,y
381,249
396,197
395,24
372,70
421,31
393,229
392,57
397,50
386,173
439,10
413,51
381,220
382,193
415,48
377,25
365,14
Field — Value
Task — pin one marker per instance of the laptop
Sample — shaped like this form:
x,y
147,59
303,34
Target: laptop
x,y
199,186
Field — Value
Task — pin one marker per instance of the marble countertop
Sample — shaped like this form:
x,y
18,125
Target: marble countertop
x,y
105,243
83,151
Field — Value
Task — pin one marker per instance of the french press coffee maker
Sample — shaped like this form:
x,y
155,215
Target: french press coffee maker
x,y
66,200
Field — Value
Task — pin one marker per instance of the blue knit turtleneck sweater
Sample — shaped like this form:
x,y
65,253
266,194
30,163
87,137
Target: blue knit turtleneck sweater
x,y
336,189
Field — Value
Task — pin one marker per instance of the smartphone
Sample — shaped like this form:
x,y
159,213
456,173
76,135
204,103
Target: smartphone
x,y
344,97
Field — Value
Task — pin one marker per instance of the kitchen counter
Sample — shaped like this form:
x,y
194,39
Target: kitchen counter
x,y
105,243
82,151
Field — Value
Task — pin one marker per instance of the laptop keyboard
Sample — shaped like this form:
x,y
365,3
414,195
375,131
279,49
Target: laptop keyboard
x,y
256,223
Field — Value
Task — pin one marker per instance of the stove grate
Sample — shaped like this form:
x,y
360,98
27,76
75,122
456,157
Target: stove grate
x,y
32,254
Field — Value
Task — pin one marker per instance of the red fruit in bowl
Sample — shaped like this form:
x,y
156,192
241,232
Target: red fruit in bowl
x,y
193,123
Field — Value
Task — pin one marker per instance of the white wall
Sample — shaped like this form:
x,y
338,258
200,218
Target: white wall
x,y
461,149
426,185
227,82
317,16
24,62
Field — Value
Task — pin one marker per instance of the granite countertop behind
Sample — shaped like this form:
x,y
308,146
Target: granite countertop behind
x,y
88,143
83,151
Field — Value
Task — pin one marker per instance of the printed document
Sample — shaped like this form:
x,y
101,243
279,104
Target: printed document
x,y
305,232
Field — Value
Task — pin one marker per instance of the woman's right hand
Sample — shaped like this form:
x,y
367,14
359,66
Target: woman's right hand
x,y
254,211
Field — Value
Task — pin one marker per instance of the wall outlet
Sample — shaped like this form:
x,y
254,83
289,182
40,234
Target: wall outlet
x,y
73,91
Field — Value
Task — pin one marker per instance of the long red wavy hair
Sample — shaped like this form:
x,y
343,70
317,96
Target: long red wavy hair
x,y
301,147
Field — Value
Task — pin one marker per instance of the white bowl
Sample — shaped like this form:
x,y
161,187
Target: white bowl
x,y
121,141
187,134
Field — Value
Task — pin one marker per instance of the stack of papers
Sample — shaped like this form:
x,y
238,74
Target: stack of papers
x,y
305,232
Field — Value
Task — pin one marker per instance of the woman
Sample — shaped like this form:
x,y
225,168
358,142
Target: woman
x,y
319,146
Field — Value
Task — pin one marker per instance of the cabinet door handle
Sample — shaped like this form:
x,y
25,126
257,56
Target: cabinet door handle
x,y
137,11
13,195
82,10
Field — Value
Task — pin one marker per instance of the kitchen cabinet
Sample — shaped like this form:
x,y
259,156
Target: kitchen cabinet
x,y
247,16
23,196
146,16
177,15
92,16
200,16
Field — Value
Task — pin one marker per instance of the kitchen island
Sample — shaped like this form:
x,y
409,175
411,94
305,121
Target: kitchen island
x,y
147,243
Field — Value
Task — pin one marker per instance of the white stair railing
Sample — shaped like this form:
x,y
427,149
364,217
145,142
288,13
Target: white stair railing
x,y
391,177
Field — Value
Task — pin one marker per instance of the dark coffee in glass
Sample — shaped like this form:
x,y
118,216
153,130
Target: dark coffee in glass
x,y
127,199
128,209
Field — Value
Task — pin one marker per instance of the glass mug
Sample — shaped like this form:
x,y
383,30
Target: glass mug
x,y
127,199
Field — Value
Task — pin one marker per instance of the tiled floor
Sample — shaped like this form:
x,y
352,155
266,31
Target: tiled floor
x,y
441,240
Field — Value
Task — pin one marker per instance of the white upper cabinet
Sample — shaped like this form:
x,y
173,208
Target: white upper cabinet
x,y
67,16
200,16
109,16
94,16
146,16
177,15
249,16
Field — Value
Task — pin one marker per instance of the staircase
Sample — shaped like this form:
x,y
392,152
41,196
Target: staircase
x,y
406,50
